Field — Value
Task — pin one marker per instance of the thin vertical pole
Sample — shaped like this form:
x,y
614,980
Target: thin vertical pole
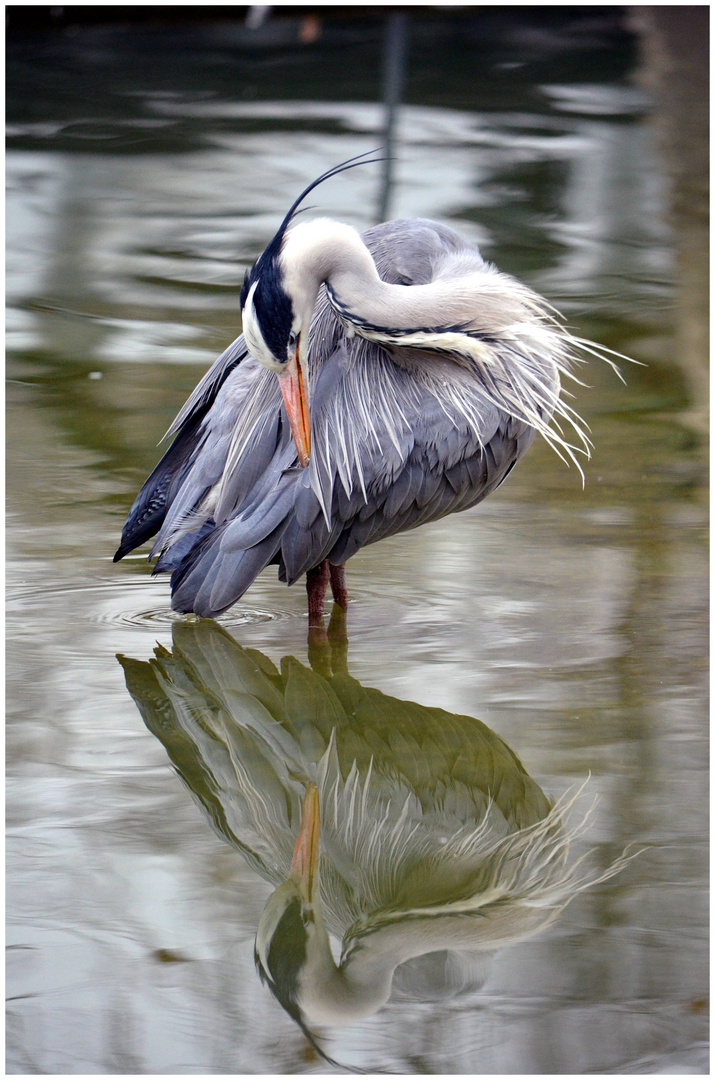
x,y
395,63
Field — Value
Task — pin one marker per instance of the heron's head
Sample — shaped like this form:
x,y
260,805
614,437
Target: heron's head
x,y
277,302
290,931
273,326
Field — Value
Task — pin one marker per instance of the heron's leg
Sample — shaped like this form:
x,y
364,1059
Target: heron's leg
x,y
316,582
339,584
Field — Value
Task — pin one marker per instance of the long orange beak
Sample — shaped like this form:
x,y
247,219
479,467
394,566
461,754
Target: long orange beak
x,y
307,847
295,397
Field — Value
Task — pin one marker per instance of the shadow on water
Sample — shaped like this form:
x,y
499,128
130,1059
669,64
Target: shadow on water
x,y
430,848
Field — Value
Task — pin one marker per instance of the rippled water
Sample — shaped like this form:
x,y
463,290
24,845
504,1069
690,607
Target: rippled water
x,y
145,171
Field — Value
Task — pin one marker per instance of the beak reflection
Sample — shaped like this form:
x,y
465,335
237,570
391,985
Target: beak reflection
x,y
306,855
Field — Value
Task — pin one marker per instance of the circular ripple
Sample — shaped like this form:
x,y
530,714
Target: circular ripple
x,y
167,617
110,603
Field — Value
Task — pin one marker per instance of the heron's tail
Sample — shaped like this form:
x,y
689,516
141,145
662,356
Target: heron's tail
x,y
217,572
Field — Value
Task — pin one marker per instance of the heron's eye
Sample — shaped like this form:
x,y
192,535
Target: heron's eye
x,y
292,338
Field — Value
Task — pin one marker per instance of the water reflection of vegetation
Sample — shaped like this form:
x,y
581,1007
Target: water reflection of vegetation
x,y
101,68
436,847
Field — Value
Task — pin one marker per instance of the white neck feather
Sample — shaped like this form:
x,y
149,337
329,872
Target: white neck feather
x,y
470,313
477,299
363,982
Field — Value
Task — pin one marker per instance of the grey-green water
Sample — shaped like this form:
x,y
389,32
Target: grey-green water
x,y
145,170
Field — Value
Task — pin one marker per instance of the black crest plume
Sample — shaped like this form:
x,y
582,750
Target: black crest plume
x,y
267,260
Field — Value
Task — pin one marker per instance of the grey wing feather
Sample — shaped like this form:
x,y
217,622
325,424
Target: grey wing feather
x,y
441,466
418,472
204,394
219,578
165,482
149,509
207,473
194,503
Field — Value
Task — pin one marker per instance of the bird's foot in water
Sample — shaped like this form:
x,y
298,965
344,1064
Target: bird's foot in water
x,y
316,583
339,584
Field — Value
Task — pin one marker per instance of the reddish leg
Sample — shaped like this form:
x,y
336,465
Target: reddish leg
x,y
339,584
316,582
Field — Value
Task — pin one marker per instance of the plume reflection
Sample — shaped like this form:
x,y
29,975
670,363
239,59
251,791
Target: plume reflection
x,y
413,835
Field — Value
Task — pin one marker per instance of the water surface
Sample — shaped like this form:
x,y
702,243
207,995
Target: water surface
x,y
570,620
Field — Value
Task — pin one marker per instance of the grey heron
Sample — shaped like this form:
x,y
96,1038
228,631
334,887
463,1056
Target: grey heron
x,y
381,382
413,835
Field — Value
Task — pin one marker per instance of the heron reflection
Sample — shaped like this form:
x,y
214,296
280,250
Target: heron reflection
x,y
413,835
